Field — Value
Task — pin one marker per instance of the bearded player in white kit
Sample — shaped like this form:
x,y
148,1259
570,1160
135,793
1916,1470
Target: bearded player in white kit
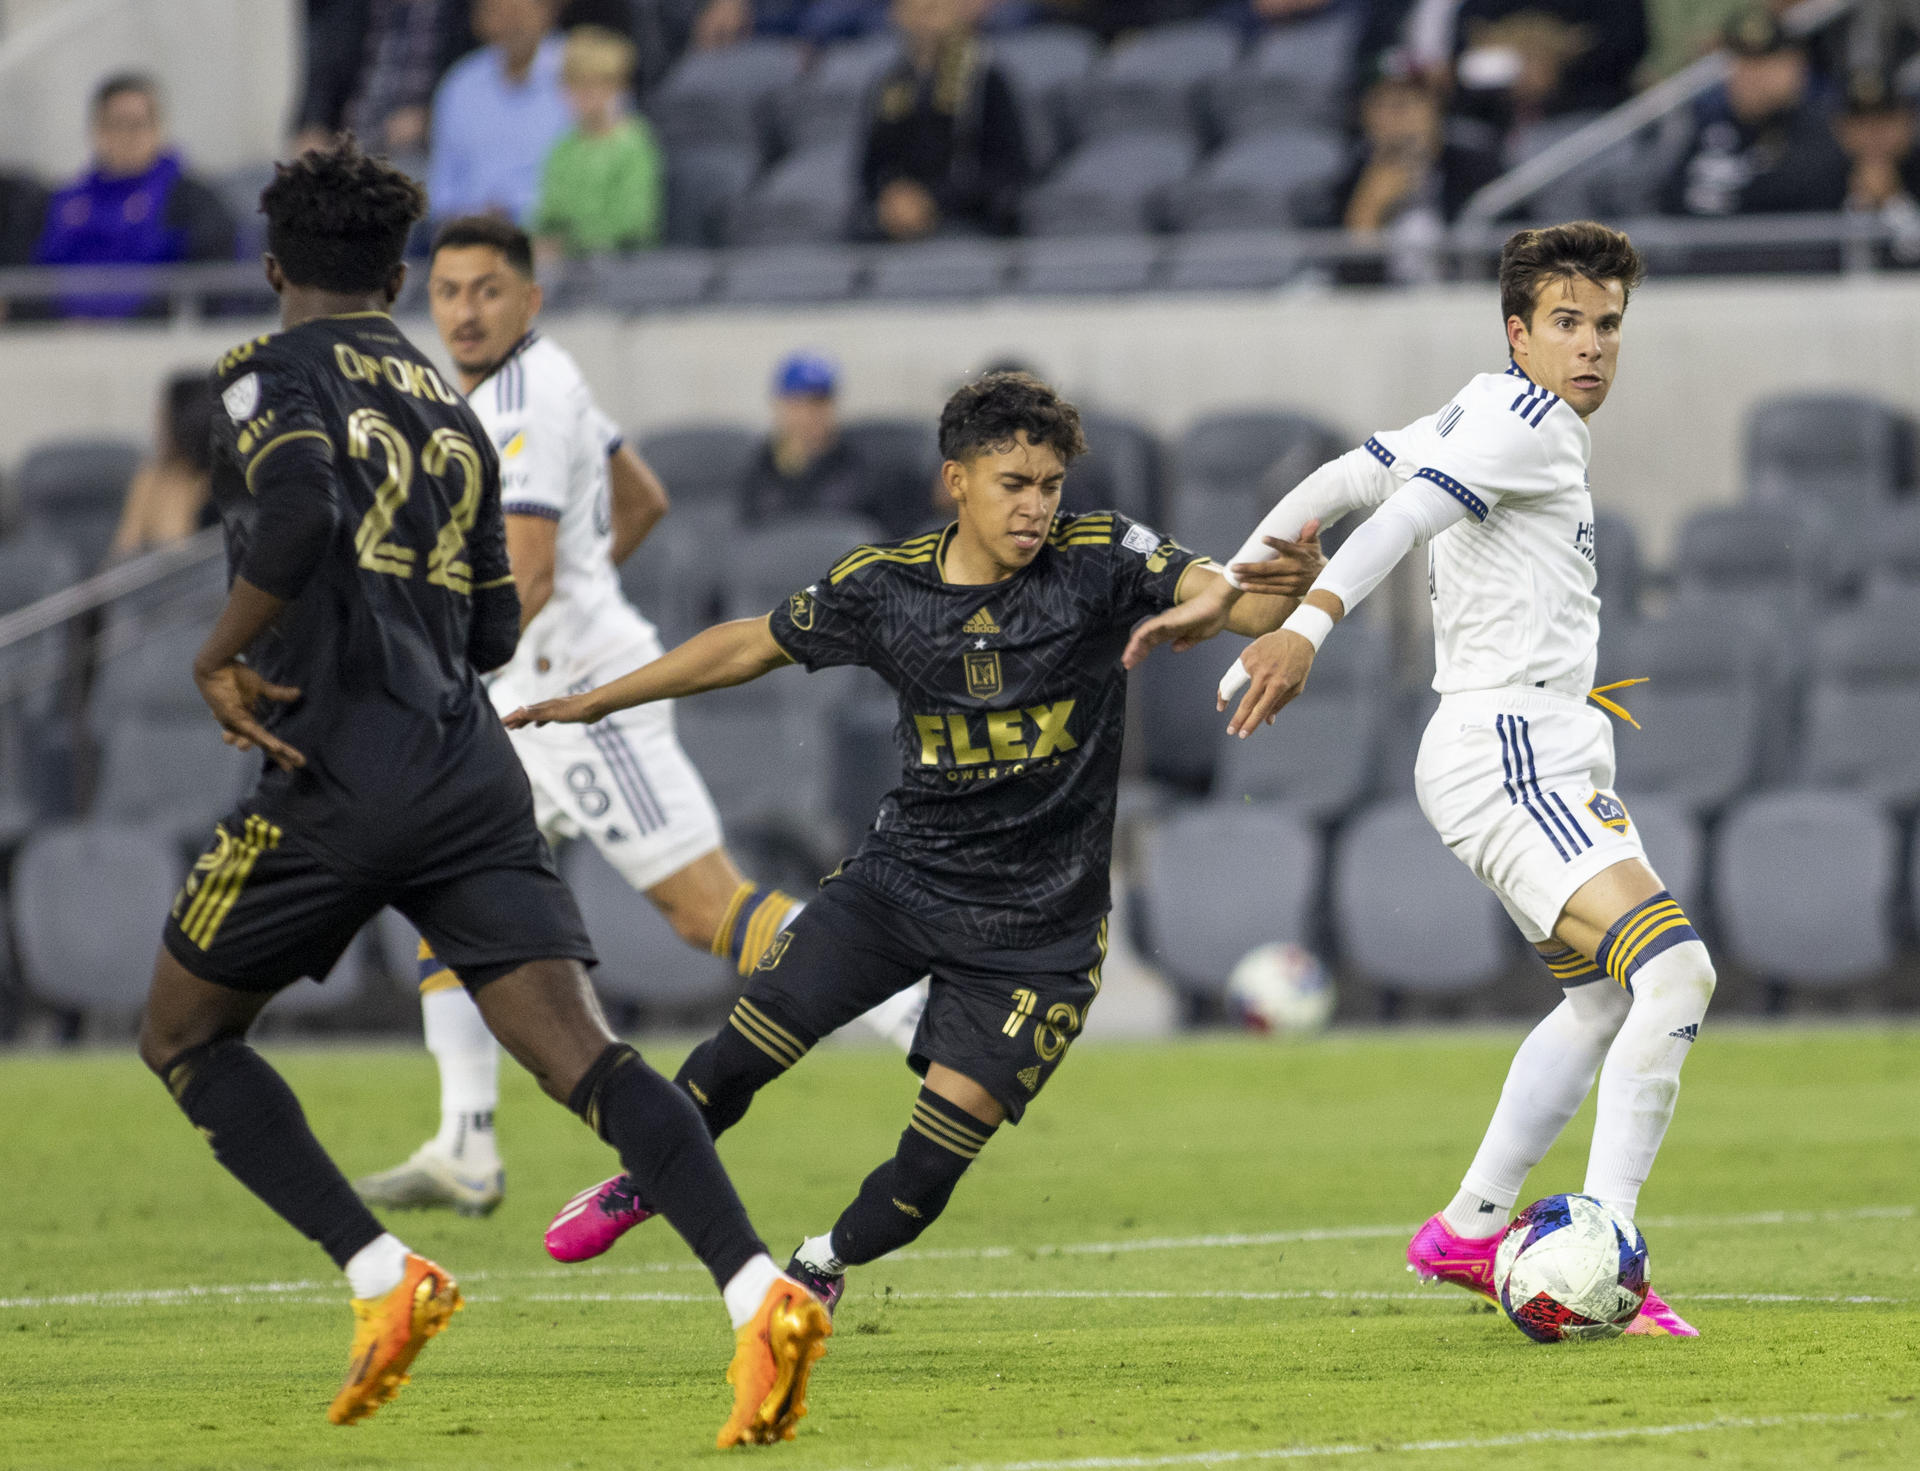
x,y
1515,771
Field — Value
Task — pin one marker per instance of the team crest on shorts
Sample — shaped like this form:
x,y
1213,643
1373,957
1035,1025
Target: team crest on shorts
x,y
776,952
983,674
800,608
1606,807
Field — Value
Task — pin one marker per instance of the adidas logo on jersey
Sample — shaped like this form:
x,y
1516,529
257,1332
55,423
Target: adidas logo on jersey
x,y
981,622
1029,1078
1689,1033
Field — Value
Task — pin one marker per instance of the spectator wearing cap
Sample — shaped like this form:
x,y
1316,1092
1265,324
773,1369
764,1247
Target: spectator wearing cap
x,y
498,112
944,152
805,466
136,205
1760,143
1521,61
603,187
1876,131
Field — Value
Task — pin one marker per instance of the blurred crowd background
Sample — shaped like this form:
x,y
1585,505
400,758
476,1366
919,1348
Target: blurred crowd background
x,y
776,232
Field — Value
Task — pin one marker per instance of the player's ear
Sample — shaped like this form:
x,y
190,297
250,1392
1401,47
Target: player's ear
x,y
395,282
536,298
276,278
953,475
1517,335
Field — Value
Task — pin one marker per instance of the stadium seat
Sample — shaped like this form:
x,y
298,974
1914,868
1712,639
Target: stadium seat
x,y
1112,185
1274,180
1119,472
73,490
827,104
788,273
1770,560
700,462
902,459
1839,451
724,95
939,269
1297,74
1863,708
1218,882
768,563
1411,916
1240,450
1231,260
677,575
173,774
1215,522
807,198
1096,265
1804,884
1676,848
87,901
705,184
1152,80
642,961
866,761
1042,63
654,280
1320,757
763,749
34,565
150,679
1700,715
1893,554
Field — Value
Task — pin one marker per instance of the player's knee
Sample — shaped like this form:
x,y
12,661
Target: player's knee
x,y
1656,937
940,1143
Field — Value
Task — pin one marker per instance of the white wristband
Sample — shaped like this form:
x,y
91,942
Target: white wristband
x,y
1312,624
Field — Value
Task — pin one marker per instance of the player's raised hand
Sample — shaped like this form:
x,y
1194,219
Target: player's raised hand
x,y
1276,668
234,692
567,710
1292,569
1192,622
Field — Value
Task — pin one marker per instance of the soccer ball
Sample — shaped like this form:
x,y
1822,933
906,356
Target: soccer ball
x,y
1280,988
1570,1268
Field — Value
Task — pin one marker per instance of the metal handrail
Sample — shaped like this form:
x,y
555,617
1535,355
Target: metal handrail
x,y
116,582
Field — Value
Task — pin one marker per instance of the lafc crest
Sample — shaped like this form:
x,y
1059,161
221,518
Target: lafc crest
x,y
776,952
800,608
983,674
1609,809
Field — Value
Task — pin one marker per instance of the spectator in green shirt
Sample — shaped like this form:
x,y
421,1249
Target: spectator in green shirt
x,y
603,186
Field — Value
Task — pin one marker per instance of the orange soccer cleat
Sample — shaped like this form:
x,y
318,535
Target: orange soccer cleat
x,y
772,1357
387,1333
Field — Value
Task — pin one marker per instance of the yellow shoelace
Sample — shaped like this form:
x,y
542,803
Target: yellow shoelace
x,y
1613,707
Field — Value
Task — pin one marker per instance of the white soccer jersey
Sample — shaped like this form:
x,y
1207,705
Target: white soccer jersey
x,y
1512,585
553,442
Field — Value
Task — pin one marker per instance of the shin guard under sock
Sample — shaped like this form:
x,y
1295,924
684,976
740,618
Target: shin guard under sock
x,y
668,1154
906,1194
259,1132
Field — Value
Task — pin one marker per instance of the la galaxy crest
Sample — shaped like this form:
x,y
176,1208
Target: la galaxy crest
x,y
1609,810
983,673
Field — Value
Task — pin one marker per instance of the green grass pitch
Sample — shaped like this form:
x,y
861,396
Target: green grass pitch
x,y
1190,1254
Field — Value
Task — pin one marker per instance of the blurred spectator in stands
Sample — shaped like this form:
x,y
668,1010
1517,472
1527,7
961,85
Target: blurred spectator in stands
x,y
372,66
498,112
944,151
23,212
136,205
1259,18
1410,180
805,465
603,186
1876,131
167,500
1520,61
1760,145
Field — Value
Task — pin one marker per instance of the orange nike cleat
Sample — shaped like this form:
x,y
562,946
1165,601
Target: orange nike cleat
x,y
772,1357
387,1333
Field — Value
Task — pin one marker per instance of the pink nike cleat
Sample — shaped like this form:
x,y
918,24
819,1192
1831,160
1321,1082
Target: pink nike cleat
x,y
1657,1320
1466,1261
594,1219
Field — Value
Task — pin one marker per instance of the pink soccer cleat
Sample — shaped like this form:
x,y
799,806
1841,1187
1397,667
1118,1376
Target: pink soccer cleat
x,y
1657,1320
1466,1261
594,1219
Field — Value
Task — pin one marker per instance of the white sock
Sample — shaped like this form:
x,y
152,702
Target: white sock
x,y
376,1268
748,1289
1549,1080
898,1017
816,1253
469,1060
1641,1079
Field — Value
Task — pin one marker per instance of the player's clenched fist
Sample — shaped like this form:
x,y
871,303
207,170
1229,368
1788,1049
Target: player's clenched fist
x,y
567,710
1276,668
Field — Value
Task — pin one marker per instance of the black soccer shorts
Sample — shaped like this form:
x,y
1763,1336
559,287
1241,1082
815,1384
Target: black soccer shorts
x,y
1002,1017
259,912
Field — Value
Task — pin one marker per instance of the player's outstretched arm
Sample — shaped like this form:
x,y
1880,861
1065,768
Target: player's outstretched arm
x,y
1209,604
726,654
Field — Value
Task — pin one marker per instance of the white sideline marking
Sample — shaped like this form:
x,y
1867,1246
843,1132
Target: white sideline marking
x,y
162,1296
1474,1443
1433,1297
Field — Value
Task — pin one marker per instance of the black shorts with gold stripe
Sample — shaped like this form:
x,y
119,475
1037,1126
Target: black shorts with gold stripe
x,y
1002,1017
258,911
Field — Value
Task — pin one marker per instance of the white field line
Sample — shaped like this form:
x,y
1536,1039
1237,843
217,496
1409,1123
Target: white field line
x,y
167,1296
1465,1443
1433,1297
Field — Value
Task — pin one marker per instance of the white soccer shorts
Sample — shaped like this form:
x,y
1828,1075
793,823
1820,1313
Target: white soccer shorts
x,y
1519,784
622,782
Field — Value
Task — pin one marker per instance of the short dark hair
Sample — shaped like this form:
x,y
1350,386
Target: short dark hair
x,y
188,414
490,230
339,220
991,412
1586,248
120,82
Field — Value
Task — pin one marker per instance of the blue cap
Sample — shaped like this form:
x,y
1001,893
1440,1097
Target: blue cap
x,y
806,375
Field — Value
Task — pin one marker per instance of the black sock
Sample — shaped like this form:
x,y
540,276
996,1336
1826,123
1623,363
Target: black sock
x,y
906,1194
723,1073
258,1131
668,1154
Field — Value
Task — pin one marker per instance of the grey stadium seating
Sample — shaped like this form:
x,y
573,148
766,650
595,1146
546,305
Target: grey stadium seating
x,y
1042,63
151,679
1178,724
1837,451
701,462
939,269
1119,472
724,96
88,900
1676,849
1863,710
1153,79
642,961
1893,556
808,197
1410,915
768,563
866,760
655,280
1112,185
1238,450
678,575
1275,180
1769,559
828,102
1231,260
763,750
1094,265
171,773
705,184
902,458
1298,72
73,489
34,565
788,273
1804,884
1218,882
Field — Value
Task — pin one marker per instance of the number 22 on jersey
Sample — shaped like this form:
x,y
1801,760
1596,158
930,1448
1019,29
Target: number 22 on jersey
x,y
369,430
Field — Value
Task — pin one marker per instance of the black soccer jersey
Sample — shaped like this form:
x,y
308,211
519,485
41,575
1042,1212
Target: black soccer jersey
x,y
1012,707
406,761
